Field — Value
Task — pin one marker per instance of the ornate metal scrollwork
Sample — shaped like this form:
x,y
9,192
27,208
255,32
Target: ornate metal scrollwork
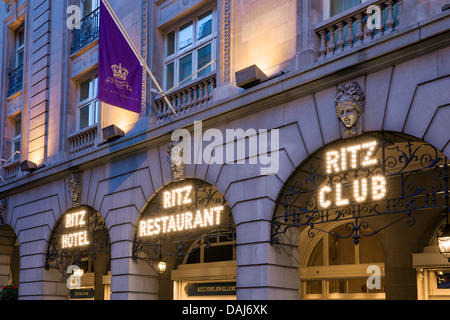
x,y
203,196
61,253
416,176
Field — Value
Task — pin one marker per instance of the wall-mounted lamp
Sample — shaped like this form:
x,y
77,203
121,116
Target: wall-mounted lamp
x,y
162,264
249,77
28,166
444,239
112,132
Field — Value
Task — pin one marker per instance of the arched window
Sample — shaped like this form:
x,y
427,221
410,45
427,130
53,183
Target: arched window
x,y
334,268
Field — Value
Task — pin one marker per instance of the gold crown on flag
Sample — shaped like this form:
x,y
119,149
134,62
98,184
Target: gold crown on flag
x,y
119,72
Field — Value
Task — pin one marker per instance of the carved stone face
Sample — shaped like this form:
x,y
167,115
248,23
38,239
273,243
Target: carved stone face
x,y
176,155
349,114
350,106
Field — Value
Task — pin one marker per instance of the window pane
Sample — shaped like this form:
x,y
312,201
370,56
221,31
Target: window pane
x,y
170,76
95,87
185,67
87,7
16,147
353,286
18,126
84,117
95,112
219,253
185,36
20,58
170,43
316,258
20,38
85,87
313,287
204,57
341,251
204,26
338,6
370,250
442,280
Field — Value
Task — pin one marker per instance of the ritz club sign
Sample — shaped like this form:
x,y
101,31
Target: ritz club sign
x,y
353,157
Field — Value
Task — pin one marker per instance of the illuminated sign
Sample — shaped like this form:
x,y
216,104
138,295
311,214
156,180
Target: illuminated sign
x,y
186,219
74,235
211,289
353,157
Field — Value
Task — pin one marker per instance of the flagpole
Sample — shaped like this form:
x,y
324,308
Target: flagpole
x,y
136,52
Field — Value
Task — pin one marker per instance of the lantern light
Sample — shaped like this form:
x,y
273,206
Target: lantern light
x,y
444,240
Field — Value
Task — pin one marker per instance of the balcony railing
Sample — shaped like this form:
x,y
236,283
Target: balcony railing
x,y
10,171
83,141
191,97
348,30
15,81
89,31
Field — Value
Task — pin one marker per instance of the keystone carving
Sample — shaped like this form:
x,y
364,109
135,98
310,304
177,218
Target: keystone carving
x,y
74,185
175,157
350,101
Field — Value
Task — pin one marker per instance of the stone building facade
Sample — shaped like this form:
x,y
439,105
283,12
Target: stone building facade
x,y
56,162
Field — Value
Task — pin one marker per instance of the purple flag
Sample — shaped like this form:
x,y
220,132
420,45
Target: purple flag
x,y
119,70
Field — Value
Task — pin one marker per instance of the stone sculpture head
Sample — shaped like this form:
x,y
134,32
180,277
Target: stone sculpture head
x,y
350,104
175,156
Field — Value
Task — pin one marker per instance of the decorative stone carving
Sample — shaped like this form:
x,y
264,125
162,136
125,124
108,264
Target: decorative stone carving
x,y
74,185
227,41
3,212
175,156
350,101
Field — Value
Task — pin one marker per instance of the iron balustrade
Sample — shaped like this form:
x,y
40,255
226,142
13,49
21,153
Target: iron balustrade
x,y
15,83
89,31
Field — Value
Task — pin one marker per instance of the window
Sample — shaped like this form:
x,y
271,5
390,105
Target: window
x,y
15,76
220,248
17,137
334,7
189,48
90,25
337,269
88,6
88,103
20,47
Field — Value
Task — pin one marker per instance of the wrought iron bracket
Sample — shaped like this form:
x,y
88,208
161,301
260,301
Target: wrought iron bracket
x,y
416,175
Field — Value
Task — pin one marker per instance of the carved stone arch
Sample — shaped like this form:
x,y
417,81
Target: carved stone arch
x,y
79,239
10,257
177,215
417,179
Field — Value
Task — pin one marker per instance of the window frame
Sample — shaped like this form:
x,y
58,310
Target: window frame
x,y
191,49
16,138
92,101
327,9
19,48
95,4
326,272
